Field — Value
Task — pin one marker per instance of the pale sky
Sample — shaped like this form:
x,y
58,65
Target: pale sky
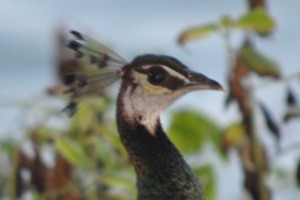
x,y
136,27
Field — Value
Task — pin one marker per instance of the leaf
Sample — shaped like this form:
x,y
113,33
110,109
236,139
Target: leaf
x,y
88,114
270,122
292,110
258,62
121,182
207,179
8,146
72,152
291,98
298,174
233,136
83,119
258,20
227,21
190,131
197,33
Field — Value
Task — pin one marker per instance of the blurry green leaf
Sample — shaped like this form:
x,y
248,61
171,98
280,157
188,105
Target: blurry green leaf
x,y
89,113
42,134
233,136
197,33
8,146
122,181
259,63
281,173
227,22
72,152
190,130
258,20
83,119
108,130
207,179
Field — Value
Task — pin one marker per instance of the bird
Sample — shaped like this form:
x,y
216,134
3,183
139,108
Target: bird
x,y
149,84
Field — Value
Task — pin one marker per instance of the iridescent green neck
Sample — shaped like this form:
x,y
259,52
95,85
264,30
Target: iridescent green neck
x,y
161,171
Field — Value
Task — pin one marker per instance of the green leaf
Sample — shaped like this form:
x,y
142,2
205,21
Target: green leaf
x,y
197,32
72,152
258,20
234,135
207,179
8,146
88,114
190,130
83,119
259,63
227,21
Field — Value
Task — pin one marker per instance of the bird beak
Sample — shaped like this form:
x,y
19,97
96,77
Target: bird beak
x,y
200,82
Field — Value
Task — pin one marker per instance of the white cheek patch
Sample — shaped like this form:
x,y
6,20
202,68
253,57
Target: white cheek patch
x,y
143,107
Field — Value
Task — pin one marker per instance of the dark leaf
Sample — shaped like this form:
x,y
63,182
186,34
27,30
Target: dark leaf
x,y
292,110
291,98
270,122
298,174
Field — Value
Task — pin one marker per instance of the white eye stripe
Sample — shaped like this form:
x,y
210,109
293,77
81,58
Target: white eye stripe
x,y
152,89
170,71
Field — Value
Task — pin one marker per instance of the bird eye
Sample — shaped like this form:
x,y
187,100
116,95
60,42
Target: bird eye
x,y
156,76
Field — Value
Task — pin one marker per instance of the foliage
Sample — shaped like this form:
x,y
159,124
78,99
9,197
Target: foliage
x,y
243,61
91,163
191,130
256,20
208,180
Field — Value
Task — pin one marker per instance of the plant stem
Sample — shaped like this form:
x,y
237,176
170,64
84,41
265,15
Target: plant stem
x,y
13,176
257,150
229,48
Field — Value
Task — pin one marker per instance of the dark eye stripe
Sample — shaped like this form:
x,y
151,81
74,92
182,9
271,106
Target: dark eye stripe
x,y
173,83
170,82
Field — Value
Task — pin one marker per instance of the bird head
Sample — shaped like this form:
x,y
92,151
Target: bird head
x,y
150,83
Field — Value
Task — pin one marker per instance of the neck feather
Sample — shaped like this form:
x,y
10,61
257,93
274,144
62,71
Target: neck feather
x,y
161,170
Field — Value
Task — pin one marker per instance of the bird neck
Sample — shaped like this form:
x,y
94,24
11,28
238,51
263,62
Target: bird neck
x,y
161,170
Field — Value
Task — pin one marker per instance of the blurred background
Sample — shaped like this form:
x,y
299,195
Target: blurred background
x,y
247,143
